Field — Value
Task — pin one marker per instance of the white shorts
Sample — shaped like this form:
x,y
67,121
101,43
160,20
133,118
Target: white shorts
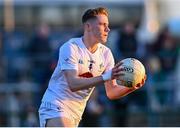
x,y
48,111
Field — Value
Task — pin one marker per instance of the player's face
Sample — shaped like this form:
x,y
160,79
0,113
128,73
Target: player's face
x,y
100,28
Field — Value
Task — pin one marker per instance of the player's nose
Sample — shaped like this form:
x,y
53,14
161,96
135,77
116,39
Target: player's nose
x,y
107,29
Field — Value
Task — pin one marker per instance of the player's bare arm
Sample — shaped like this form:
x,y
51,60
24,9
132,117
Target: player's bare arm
x,y
77,82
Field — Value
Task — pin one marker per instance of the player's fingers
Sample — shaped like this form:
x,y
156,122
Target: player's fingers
x,y
145,77
138,85
115,70
134,87
143,80
117,75
119,64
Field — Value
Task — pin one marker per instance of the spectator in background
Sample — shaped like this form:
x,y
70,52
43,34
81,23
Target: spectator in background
x,y
1,60
40,53
93,111
165,50
0,39
127,42
127,47
15,54
168,54
31,119
157,44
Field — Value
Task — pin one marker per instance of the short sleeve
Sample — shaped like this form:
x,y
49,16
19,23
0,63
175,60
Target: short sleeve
x,y
68,57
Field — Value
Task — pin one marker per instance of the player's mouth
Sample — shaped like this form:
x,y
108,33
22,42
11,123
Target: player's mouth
x,y
105,34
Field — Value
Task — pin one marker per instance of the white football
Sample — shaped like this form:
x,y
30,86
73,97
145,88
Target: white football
x,y
133,71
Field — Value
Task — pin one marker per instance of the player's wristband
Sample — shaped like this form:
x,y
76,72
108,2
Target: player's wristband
x,y
107,75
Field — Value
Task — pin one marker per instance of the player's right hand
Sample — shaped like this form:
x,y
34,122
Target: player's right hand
x,y
117,70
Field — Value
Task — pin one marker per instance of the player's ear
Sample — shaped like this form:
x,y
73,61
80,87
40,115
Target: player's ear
x,y
87,26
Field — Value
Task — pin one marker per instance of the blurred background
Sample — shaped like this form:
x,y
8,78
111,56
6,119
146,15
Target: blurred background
x,y
31,32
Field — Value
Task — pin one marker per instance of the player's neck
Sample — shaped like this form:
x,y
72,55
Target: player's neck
x,y
90,44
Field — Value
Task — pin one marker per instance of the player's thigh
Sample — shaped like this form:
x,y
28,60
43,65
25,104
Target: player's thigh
x,y
59,122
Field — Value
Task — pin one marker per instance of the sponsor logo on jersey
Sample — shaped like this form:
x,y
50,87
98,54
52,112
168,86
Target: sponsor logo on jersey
x,y
67,59
81,61
91,64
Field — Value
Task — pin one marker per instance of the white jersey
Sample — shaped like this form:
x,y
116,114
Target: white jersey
x,y
74,55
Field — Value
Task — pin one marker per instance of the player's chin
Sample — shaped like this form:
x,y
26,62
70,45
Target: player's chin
x,y
104,40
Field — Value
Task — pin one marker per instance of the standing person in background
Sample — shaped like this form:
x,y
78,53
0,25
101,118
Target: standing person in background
x,y
93,111
40,50
127,42
84,63
40,53
127,47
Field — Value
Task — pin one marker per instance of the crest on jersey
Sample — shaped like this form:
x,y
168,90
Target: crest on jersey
x,y
101,67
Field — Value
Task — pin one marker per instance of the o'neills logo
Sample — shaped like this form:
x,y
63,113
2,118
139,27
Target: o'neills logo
x,y
128,69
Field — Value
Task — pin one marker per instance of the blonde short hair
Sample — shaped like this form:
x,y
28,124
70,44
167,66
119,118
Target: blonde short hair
x,y
92,13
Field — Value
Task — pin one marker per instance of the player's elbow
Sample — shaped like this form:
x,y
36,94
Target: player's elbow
x,y
72,85
73,88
